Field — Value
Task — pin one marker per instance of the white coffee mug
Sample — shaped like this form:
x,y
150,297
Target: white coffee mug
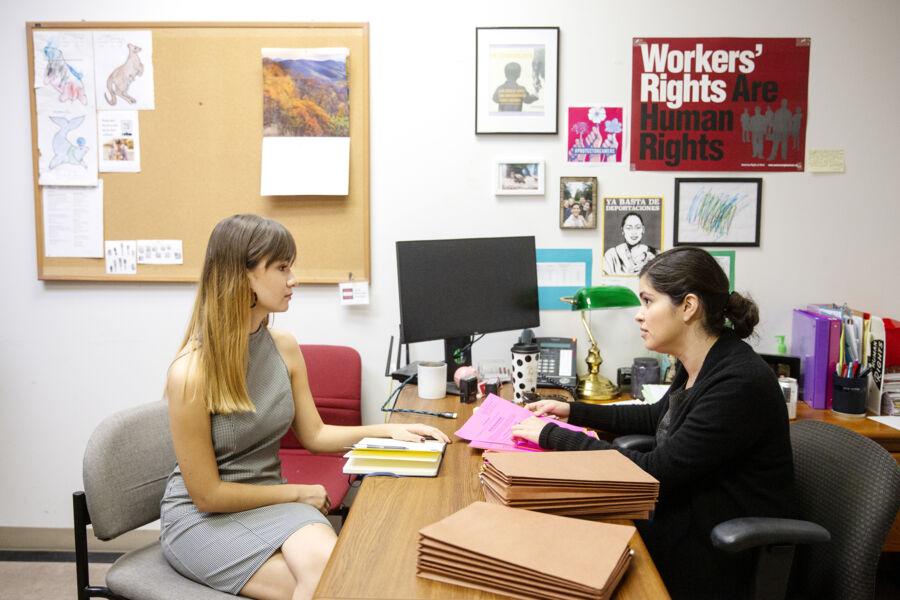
x,y
432,380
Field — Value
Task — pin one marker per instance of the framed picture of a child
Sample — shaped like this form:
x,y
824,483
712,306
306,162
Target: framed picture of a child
x,y
516,72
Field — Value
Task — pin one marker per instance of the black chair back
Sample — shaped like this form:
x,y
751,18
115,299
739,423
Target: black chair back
x,y
851,486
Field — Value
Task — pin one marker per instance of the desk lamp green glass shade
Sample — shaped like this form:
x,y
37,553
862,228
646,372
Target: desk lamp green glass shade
x,y
593,386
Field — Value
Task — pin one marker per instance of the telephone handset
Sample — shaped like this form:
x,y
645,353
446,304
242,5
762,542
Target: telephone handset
x,y
556,364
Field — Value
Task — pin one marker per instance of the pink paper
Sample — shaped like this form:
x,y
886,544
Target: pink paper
x,y
490,427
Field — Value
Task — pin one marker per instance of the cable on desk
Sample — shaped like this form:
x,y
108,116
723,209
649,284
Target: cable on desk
x,y
395,395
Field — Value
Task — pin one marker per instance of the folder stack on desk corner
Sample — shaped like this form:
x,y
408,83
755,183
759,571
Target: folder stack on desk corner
x,y
597,484
524,554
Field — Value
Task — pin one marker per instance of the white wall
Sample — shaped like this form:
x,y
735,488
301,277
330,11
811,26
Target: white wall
x,y
71,354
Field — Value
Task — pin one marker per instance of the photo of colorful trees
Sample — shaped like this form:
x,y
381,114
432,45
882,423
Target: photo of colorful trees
x,y
305,94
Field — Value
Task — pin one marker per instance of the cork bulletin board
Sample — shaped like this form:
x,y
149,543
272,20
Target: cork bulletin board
x,y
200,153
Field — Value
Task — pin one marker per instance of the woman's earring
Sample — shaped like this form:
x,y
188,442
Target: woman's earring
x,y
253,299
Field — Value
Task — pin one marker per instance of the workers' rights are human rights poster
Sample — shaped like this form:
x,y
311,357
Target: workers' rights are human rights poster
x,y
719,104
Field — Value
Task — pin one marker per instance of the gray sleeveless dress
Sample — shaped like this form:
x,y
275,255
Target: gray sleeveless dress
x,y
223,550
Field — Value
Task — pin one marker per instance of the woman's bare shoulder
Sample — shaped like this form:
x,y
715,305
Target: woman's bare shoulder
x,y
183,373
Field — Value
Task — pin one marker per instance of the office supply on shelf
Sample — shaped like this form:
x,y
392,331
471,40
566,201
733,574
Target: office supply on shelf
x,y
596,484
492,548
815,340
490,427
593,386
395,457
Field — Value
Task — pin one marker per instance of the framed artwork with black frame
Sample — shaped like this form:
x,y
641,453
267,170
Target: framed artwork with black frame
x,y
717,211
516,79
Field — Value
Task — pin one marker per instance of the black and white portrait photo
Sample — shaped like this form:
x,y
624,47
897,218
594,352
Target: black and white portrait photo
x,y
632,233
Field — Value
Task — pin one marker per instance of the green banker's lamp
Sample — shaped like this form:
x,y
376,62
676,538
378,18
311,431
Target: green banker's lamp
x,y
594,386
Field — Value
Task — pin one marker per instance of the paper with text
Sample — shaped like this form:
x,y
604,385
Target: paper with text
x,y
73,221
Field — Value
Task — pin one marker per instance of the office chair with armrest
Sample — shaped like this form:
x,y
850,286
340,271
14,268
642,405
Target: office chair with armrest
x,y
126,463
846,483
848,489
335,380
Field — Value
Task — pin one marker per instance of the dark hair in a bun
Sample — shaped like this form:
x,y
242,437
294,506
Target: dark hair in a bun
x,y
687,270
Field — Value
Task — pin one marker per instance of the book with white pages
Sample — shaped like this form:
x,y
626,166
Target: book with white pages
x,y
394,457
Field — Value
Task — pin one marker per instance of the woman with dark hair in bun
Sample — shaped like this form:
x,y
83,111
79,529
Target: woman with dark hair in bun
x,y
722,448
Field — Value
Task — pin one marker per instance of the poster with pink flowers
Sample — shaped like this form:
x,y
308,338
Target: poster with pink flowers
x,y
595,134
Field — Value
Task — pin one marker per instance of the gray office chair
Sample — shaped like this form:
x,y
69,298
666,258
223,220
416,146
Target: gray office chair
x,y
848,490
126,463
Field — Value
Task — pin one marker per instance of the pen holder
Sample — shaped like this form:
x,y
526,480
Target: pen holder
x,y
849,397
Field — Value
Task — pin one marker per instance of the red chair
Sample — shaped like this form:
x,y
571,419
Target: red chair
x,y
335,380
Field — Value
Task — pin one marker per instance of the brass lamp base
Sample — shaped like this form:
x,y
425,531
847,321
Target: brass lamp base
x,y
596,388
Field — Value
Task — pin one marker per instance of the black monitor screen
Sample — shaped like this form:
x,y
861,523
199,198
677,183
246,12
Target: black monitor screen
x,y
454,288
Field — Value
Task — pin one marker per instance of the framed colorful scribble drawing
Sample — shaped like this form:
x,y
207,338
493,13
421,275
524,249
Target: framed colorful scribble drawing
x,y
717,211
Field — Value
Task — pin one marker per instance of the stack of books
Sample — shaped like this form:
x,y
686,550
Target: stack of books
x,y
393,457
524,554
596,484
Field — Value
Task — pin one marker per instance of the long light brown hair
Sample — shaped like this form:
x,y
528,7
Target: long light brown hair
x,y
217,335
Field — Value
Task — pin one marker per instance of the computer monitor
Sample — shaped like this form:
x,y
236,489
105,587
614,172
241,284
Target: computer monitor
x,y
454,289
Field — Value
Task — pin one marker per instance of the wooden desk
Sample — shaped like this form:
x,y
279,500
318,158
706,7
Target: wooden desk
x,y
885,436
375,556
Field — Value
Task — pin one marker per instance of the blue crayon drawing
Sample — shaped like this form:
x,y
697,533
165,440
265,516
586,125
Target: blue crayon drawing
x,y
62,76
714,212
64,151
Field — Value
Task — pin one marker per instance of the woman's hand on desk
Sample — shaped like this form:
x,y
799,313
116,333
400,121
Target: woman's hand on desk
x,y
416,432
550,408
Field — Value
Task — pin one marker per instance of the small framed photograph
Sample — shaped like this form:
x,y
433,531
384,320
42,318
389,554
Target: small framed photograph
x,y
578,202
519,177
725,258
516,72
632,233
717,211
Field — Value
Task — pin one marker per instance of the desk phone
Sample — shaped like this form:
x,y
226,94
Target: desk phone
x,y
556,365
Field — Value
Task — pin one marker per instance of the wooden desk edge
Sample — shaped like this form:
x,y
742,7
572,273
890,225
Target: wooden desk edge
x,y
642,580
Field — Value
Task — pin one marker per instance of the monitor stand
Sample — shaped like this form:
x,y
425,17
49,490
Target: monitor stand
x,y
450,346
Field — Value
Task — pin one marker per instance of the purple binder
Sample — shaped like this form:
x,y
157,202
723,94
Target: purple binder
x,y
811,335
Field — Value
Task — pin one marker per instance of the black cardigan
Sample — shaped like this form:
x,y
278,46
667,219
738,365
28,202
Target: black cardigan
x,y
727,455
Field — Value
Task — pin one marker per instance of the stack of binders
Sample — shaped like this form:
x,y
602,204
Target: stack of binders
x,y
524,554
596,484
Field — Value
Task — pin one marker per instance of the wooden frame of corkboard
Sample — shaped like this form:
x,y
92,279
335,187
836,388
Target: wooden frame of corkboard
x,y
200,153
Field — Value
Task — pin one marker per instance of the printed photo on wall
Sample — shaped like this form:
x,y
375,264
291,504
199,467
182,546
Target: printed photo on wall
x,y
519,177
717,212
578,202
516,79
632,233
305,122
595,134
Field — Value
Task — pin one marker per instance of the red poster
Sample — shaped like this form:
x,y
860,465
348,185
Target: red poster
x,y
719,104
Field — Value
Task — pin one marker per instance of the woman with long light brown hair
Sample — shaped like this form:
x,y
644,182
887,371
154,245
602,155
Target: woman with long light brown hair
x,y
233,389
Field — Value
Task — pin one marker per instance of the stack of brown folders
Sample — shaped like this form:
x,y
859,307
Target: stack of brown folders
x,y
524,554
596,484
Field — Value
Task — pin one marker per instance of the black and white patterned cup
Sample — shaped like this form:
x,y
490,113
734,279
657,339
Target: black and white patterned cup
x,y
524,370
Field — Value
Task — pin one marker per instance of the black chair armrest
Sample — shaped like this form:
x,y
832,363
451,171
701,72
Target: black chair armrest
x,y
751,532
641,443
